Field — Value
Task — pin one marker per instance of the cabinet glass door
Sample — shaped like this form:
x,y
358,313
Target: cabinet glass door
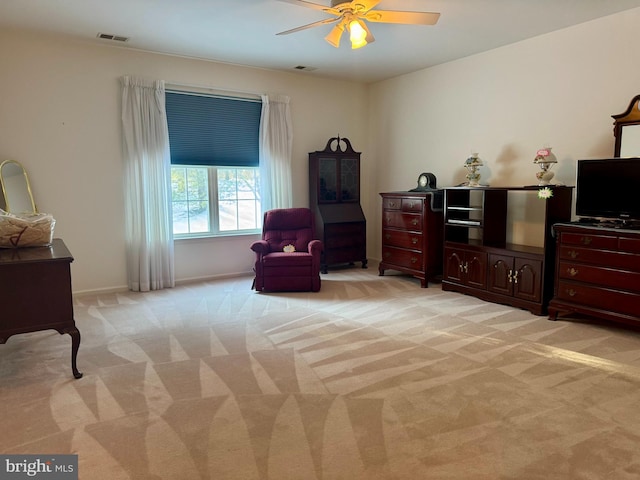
x,y
349,180
328,184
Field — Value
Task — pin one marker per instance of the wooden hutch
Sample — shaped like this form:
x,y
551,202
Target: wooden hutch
x,y
334,198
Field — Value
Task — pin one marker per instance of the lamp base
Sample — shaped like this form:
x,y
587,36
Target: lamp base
x,y
544,177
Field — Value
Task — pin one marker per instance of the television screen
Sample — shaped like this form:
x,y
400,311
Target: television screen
x,y
608,188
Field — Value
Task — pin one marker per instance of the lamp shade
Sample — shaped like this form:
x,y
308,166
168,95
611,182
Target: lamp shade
x,y
359,33
335,34
545,155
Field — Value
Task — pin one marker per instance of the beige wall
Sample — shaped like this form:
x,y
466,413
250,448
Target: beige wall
x,y
559,89
60,117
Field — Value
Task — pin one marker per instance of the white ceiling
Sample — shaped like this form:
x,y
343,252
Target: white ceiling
x,y
244,31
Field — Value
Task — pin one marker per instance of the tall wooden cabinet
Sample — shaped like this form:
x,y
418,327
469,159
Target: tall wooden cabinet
x,y
334,197
412,234
477,258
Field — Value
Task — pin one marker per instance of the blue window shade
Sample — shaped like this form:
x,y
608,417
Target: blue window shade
x,y
208,130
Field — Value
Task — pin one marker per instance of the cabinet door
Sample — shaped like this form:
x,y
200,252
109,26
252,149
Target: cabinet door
x,y
500,274
476,269
327,180
453,265
466,267
527,283
349,180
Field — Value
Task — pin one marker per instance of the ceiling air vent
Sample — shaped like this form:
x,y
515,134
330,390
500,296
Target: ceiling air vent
x,y
115,38
306,69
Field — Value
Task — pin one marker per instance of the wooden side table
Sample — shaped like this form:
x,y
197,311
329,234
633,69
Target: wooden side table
x,y
35,293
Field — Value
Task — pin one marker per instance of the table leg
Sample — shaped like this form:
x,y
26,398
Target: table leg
x,y
75,345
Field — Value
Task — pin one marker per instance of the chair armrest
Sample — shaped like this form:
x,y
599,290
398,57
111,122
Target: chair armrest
x,y
315,247
261,247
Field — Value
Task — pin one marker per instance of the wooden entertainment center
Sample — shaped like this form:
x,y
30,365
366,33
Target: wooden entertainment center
x,y
477,258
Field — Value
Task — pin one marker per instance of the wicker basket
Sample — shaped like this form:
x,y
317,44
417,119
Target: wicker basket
x,y
27,230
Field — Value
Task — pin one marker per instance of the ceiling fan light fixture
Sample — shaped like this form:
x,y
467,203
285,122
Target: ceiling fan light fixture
x,y
351,16
357,34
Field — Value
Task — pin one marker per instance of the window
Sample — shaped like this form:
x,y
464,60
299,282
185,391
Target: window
x,y
215,182
215,200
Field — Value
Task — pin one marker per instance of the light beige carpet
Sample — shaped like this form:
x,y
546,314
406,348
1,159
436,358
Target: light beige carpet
x,y
371,378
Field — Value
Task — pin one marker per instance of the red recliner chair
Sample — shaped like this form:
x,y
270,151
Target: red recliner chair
x,y
288,256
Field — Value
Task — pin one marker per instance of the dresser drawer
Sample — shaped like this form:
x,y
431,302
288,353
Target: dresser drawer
x,y
631,245
600,276
607,242
412,205
402,258
405,221
391,203
626,261
398,238
599,297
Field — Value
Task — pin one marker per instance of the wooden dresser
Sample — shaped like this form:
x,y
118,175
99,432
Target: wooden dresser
x,y
412,234
597,272
35,292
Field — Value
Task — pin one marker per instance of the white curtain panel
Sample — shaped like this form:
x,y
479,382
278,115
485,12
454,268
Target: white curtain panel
x,y
276,139
149,228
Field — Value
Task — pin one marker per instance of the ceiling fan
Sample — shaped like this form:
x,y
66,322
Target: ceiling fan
x,y
351,16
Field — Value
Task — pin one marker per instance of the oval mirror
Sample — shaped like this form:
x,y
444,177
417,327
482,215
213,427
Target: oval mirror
x,y
16,191
626,130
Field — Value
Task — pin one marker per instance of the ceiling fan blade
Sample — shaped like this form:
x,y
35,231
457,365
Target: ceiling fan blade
x,y
315,6
310,25
411,18
366,4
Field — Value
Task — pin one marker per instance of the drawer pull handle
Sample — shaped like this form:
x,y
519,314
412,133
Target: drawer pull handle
x,y
414,240
571,292
410,204
513,276
414,260
572,271
392,204
387,236
586,240
414,222
573,254
387,254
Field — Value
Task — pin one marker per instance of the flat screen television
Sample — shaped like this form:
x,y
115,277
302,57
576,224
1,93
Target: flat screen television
x,y
609,189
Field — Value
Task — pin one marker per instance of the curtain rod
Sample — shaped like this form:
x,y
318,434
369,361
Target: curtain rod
x,y
217,89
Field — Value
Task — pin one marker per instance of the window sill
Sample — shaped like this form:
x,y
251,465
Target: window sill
x,y
211,236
